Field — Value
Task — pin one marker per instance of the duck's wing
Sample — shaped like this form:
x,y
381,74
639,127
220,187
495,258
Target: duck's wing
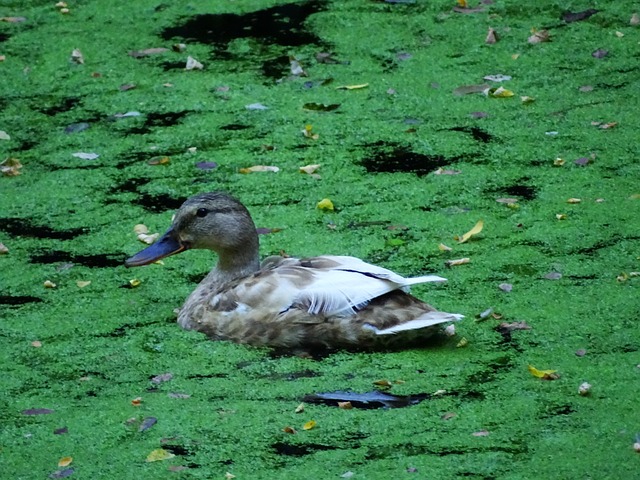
x,y
328,285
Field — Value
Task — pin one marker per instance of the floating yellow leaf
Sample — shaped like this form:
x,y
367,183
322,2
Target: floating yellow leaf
x,y
308,132
259,168
443,248
65,461
544,374
49,284
573,200
456,262
134,282
299,408
558,162
462,343
83,283
499,92
383,383
325,204
353,87
309,425
462,3
162,160
474,231
159,454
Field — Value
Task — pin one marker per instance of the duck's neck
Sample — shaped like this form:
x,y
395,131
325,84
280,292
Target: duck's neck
x,y
234,265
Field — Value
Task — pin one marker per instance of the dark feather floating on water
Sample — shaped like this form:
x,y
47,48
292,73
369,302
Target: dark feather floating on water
x,y
368,400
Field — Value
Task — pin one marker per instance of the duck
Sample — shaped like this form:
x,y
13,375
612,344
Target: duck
x,y
323,302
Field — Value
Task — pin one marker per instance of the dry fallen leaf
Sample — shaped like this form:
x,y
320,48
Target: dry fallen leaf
x,y
353,87
49,284
539,36
259,168
77,57
561,216
443,248
65,461
299,408
136,402
514,326
558,162
193,64
543,374
309,169
474,231
82,284
296,68
492,37
148,239
288,429
10,167
584,389
345,405
134,282
462,343
456,262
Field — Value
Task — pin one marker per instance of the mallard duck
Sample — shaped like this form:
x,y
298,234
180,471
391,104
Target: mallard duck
x,y
318,302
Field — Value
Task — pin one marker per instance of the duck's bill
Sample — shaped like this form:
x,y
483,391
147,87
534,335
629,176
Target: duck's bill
x,y
166,245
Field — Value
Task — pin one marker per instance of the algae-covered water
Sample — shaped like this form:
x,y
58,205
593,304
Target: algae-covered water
x,y
100,372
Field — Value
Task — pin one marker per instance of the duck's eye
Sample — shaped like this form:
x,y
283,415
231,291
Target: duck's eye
x,y
202,212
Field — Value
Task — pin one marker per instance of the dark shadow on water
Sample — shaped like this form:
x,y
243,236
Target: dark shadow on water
x,y
392,157
103,260
19,227
282,448
280,25
15,300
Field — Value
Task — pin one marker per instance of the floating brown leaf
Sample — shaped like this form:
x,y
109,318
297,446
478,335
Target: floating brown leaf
x,y
539,37
147,51
492,37
468,89
514,326
10,167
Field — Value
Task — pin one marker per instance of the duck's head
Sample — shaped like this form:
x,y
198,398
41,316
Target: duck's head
x,y
213,221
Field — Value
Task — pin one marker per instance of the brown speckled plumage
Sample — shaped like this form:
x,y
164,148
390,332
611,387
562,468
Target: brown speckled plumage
x,y
325,302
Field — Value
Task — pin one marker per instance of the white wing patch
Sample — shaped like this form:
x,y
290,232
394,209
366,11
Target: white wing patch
x,y
423,321
352,285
